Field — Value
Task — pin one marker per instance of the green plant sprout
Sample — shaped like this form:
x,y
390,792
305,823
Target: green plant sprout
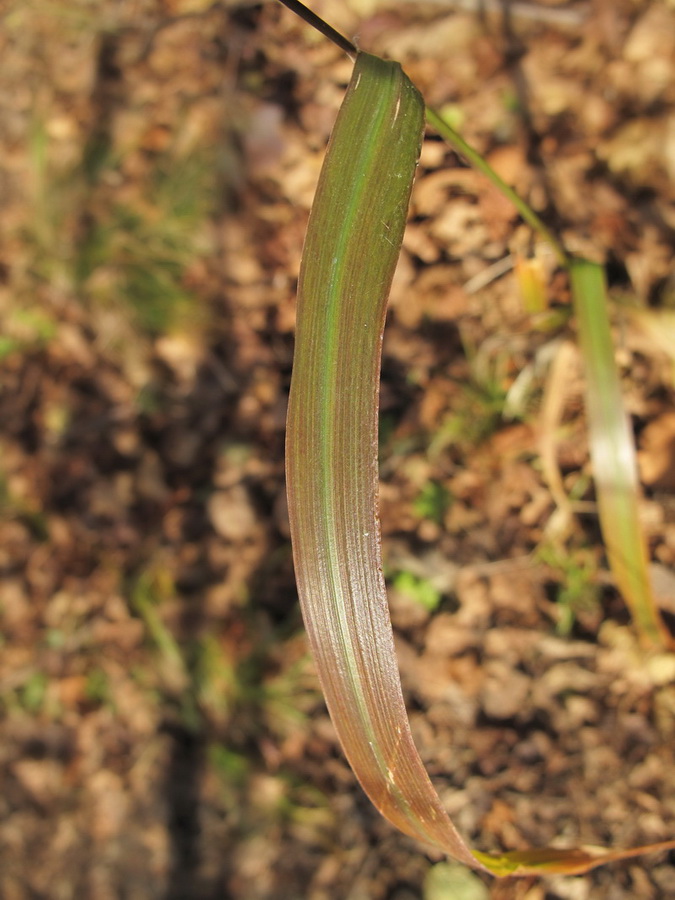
x,y
351,248
34,692
419,590
432,502
97,687
579,590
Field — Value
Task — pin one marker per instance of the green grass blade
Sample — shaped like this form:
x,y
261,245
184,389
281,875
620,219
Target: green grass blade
x,y
351,249
479,163
613,453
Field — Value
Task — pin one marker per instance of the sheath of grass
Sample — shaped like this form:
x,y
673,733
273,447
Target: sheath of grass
x,y
351,249
613,454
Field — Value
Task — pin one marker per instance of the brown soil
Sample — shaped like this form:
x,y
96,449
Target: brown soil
x,y
162,731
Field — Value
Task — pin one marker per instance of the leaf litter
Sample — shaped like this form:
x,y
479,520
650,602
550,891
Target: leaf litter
x,y
142,479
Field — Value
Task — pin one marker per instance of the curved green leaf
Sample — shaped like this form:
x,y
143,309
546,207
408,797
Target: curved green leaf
x,y
351,249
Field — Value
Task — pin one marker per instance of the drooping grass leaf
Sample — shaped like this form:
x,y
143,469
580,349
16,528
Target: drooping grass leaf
x,y
351,249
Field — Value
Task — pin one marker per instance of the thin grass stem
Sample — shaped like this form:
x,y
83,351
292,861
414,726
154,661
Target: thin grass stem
x,y
478,162
322,26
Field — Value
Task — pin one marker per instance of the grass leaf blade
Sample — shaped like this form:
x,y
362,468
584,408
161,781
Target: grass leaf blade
x,y
351,249
613,453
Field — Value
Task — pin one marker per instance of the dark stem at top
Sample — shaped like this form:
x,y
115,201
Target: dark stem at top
x,y
323,27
